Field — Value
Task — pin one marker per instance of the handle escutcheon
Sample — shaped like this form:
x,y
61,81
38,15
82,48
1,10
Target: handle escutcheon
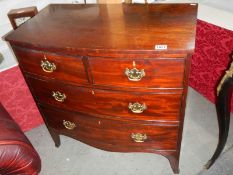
x,y
47,66
135,74
138,137
137,108
69,125
58,96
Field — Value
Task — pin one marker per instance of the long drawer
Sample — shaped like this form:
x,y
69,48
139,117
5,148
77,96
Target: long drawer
x,y
153,73
61,95
123,135
127,105
138,105
64,68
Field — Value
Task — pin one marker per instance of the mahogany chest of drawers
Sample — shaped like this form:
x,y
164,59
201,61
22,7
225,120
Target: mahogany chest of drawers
x,y
112,76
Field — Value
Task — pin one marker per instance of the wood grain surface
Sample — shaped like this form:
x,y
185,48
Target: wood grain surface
x,y
67,68
89,128
161,107
91,46
159,73
118,27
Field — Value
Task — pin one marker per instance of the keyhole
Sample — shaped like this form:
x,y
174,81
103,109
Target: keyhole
x,y
134,64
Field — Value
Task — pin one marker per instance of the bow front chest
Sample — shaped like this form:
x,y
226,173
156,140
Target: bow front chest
x,y
111,76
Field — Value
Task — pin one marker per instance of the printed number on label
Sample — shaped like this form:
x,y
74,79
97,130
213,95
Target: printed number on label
x,y
161,47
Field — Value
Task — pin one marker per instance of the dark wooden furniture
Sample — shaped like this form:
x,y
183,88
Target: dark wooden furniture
x,y
21,13
112,76
223,104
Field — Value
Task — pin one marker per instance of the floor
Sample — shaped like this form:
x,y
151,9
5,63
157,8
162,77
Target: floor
x,y
199,142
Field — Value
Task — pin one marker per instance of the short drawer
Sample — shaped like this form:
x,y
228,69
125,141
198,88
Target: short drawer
x,y
120,104
121,135
63,68
152,73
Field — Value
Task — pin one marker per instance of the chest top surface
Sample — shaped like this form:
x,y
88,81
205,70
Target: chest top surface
x,y
116,27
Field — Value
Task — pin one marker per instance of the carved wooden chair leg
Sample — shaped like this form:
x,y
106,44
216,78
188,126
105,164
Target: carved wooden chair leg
x,y
224,92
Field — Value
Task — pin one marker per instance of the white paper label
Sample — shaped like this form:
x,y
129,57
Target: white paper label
x,y
161,47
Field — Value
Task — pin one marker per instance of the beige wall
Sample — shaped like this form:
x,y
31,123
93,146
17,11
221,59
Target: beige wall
x,y
109,1
117,1
113,1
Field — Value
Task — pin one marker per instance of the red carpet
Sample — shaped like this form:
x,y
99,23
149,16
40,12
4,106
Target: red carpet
x,y
16,98
213,47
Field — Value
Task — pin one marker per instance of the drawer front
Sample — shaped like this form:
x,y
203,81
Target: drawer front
x,y
157,73
138,106
63,68
119,134
125,105
61,95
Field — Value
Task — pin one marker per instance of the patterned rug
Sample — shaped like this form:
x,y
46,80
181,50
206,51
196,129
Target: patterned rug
x,y
16,98
214,45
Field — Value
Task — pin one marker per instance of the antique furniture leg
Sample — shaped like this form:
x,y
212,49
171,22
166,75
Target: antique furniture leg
x,y
173,158
174,162
55,136
224,91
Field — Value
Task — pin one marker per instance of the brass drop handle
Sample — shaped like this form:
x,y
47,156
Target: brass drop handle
x,y
138,137
137,108
47,66
135,74
69,125
58,96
